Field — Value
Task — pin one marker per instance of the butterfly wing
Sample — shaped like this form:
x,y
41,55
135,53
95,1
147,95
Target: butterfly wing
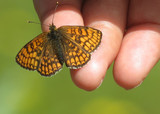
x,y
75,57
39,55
79,42
49,63
86,37
29,56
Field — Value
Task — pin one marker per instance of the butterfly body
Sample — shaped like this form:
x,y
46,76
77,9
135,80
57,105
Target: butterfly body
x,y
55,37
47,52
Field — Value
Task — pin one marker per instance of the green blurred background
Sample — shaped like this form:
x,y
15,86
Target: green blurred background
x,y
24,92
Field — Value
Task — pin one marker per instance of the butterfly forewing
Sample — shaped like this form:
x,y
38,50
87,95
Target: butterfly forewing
x,y
86,37
30,55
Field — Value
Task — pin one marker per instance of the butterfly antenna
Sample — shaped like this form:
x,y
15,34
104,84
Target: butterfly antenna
x,y
57,3
36,23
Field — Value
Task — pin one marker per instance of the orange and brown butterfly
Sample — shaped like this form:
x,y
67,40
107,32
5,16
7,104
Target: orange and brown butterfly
x,y
71,45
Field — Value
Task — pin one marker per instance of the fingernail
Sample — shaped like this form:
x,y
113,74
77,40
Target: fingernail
x,y
138,84
100,83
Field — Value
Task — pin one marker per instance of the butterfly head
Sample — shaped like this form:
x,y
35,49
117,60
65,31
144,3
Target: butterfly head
x,y
52,27
53,30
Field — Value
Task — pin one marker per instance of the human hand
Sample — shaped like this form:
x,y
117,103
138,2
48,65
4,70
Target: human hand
x,y
131,37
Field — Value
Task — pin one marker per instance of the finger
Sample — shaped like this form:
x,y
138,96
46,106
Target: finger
x,y
109,17
140,49
67,12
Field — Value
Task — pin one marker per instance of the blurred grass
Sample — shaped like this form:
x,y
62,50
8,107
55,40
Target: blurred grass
x,y
24,92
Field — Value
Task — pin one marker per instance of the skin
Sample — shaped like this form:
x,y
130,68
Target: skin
x,y
131,37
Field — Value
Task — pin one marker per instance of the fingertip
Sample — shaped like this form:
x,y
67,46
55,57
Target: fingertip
x,y
138,55
128,80
128,72
67,13
89,77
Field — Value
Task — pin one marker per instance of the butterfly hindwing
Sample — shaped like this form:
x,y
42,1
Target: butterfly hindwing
x,y
75,57
49,63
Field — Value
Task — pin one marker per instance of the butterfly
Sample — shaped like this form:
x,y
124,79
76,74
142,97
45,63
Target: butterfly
x,y
71,45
